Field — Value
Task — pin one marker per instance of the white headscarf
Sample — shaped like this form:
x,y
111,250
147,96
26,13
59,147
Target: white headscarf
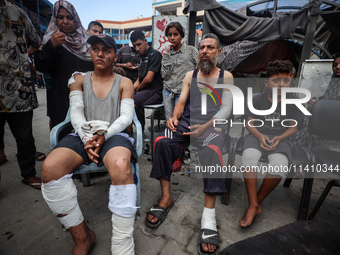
x,y
76,41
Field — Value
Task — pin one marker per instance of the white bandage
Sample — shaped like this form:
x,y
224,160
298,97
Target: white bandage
x,y
89,128
278,162
72,80
122,200
251,157
61,197
124,120
77,114
227,104
122,235
122,204
208,220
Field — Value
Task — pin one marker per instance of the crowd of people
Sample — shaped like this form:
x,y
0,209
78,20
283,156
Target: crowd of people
x,y
102,86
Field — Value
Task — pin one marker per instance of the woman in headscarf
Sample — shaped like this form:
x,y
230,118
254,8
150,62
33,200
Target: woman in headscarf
x,y
64,51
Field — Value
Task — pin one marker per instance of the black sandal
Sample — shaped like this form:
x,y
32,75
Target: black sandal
x,y
158,212
208,236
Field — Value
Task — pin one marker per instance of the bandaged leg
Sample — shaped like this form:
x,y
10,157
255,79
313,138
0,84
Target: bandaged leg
x,y
279,164
122,204
61,197
208,220
251,157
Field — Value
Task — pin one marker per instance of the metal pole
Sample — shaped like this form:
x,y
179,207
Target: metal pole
x,y
38,12
309,37
275,8
192,28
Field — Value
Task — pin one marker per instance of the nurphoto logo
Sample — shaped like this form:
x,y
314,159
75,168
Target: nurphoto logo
x,y
239,103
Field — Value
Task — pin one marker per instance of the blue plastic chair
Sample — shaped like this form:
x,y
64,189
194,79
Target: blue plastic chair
x,y
85,170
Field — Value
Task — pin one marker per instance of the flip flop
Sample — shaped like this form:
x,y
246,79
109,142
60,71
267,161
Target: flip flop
x,y
158,212
208,236
36,185
38,155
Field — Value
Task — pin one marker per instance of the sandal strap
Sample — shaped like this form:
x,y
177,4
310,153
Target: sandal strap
x,y
158,212
208,236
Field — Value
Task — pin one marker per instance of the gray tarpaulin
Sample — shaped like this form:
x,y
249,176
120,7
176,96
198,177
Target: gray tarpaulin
x,y
234,54
200,5
231,27
241,35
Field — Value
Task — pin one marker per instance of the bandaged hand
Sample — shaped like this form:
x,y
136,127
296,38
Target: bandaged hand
x,y
93,146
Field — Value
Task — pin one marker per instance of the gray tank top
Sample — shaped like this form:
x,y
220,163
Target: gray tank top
x,y
106,109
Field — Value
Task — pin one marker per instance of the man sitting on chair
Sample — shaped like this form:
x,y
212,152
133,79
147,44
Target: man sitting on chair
x,y
188,125
101,108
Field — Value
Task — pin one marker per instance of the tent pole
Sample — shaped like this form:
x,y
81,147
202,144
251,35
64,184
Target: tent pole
x,y
309,37
192,28
275,8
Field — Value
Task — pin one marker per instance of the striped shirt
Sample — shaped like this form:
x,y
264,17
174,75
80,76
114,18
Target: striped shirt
x,y
176,64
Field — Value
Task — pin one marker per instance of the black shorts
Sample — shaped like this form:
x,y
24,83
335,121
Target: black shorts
x,y
72,141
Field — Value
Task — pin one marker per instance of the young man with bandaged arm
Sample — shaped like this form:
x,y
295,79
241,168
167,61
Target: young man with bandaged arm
x,y
101,108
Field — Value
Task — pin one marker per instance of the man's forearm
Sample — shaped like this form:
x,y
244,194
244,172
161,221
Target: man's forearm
x,y
31,50
120,65
145,83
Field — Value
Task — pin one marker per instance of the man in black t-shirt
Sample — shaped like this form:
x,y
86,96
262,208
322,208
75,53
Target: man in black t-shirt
x,y
148,87
128,59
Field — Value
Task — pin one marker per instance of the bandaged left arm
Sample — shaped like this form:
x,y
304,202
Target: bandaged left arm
x,y
124,120
227,102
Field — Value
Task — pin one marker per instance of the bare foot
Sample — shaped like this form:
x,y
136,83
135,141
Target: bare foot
x,y
249,215
165,203
208,247
83,247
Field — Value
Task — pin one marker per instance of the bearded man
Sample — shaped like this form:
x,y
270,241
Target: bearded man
x,y
188,126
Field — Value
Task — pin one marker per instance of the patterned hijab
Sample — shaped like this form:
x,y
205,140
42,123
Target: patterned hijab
x,y
76,41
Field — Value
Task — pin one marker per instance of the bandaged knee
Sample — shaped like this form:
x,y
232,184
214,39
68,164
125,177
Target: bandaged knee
x,y
61,198
278,164
208,220
122,204
251,157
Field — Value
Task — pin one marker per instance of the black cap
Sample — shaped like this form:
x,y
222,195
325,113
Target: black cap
x,y
107,40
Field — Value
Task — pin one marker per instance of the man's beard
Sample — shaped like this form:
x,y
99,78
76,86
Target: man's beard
x,y
207,66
